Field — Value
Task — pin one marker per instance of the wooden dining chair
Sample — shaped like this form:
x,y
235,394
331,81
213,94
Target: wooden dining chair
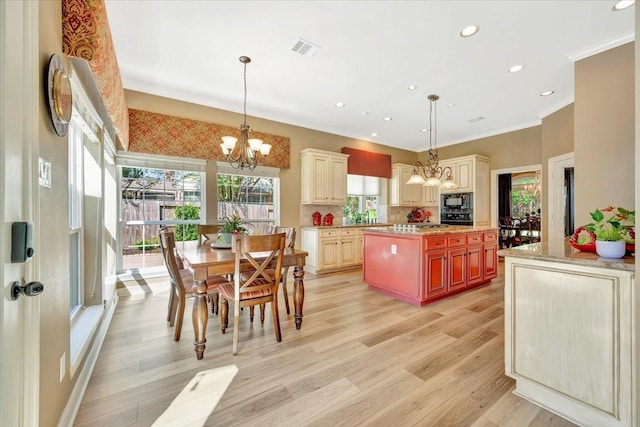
x,y
182,283
207,233
260,254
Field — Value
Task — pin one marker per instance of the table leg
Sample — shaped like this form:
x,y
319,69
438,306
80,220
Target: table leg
x,y
298,294
200,317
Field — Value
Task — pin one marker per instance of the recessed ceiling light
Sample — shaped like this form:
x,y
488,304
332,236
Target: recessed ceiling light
x,y
548,92
623,4
387,119
340,104
364,113
424,130
374,134
516,68
469,31
412,87
451,105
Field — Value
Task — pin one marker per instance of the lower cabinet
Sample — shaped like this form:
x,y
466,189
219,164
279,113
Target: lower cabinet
x,y
458,262
332,249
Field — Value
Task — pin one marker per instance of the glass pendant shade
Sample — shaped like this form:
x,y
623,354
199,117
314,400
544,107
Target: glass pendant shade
x,y
449,184
416,179
432,181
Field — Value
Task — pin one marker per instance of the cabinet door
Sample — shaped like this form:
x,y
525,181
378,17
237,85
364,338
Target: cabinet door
x,y
320,186
348,251
328,254
464,175
435,274
337,182
490,261
430,195
457,263
475,272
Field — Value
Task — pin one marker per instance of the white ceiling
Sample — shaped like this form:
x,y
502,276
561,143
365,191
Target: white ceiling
x,y
371,51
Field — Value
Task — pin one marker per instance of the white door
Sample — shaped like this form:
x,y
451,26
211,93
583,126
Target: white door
x,y
557,165
19,86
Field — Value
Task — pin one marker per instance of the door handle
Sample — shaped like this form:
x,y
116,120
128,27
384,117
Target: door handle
x,y
31,289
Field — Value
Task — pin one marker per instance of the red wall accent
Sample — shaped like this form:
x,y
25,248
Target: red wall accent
x,y
367,163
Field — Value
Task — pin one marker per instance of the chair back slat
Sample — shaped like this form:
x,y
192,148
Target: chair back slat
x,y
168,244
207,233
290,233
269,246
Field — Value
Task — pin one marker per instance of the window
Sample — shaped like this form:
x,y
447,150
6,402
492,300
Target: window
x,y
156,191
251,197
362,199
76,192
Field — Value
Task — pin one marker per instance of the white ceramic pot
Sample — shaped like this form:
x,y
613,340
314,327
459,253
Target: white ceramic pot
x,y
610,249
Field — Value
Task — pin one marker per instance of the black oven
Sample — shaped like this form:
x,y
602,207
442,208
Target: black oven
x,y
456,218
456,209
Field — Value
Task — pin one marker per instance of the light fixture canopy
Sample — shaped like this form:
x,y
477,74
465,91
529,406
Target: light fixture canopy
x,y
430,173
246,155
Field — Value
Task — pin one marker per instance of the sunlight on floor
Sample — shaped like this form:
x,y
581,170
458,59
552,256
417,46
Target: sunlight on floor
x,y
195,403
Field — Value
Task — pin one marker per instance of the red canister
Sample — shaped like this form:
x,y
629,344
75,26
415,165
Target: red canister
x,y
328,219
317,217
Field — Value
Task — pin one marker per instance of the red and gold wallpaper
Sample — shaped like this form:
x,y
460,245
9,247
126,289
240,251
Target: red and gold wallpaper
x,y
86,34
154,133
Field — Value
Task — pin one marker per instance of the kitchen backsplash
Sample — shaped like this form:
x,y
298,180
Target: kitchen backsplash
x,y
386,214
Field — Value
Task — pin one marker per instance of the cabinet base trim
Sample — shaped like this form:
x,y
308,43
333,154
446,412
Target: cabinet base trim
x,y
417,301
563,406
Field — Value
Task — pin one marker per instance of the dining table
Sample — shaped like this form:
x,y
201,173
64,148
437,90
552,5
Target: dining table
x,y
206,260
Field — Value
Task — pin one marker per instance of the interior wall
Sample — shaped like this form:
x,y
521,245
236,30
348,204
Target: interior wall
x,y
557,139
604,131
507,150
300,138
54,239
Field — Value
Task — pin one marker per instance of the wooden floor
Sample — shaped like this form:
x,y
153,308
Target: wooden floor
x,y
361,358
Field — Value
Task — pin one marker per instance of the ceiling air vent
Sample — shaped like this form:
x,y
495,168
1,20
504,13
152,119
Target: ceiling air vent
x,y
305,48
477,119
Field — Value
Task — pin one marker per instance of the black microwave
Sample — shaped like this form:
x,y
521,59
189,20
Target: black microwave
x,y
457,200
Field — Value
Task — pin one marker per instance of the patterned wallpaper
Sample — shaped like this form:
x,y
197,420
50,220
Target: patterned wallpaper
x,y
154,133
86,34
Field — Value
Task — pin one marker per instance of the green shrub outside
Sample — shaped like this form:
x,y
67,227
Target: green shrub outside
x,y
186,231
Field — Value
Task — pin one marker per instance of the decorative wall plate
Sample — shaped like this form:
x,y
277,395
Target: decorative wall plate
x,y
59,99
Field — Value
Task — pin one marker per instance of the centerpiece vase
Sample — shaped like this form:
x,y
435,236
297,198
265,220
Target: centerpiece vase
x,y
607,249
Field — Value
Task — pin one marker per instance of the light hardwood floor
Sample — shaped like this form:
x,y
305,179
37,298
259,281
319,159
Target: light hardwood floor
x,y
361,358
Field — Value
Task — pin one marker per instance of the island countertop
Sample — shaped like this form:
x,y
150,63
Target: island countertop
x,y
428,231
559,250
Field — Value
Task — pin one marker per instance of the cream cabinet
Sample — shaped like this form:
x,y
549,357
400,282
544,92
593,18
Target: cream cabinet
x,y
569,337
332,249
473,175
324,177
403,194
430,196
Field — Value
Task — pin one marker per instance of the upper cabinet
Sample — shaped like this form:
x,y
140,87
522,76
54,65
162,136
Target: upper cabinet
x,y
403,194
472,174
324,177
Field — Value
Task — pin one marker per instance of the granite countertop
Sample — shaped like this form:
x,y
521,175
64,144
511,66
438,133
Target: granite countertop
x,y
430,231
347,226
559,250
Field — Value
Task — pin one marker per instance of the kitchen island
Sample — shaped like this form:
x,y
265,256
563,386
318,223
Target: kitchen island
x,y
421,265
570,332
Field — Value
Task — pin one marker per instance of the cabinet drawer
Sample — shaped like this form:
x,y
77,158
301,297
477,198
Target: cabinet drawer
x,y
334,232
349,232
491,237
435,243
473,239
457,240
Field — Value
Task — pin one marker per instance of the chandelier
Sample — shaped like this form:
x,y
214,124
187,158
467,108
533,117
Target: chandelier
x,y
429,174
246,155
533,189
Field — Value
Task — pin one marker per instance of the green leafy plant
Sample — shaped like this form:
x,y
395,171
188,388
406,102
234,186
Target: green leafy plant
x,y
186,231
234,224
618,224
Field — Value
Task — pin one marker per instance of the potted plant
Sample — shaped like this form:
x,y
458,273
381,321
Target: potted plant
x,y
231,225
613,229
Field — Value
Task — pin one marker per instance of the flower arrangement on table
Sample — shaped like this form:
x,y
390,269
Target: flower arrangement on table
x,y
609,224
234,224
